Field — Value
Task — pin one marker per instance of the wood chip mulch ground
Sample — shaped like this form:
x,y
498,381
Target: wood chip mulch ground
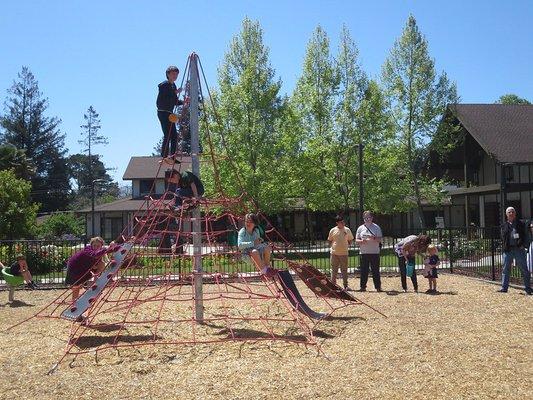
x,y
468,342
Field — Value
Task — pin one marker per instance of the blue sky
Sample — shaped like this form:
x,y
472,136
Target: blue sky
x,y
112,54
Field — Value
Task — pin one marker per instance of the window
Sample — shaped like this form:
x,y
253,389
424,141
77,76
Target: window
x,y
146,186
509,173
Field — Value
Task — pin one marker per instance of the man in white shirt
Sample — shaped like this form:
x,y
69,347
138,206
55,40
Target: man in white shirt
x,y
340,237
368,237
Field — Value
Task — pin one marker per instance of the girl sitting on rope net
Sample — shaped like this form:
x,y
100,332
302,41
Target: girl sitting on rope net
x,y
253,247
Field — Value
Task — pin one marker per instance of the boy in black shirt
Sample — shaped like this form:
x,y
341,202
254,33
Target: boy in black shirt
x,y
187,186
167,99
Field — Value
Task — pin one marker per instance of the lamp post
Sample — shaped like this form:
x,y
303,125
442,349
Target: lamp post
x,y
92,203
361,198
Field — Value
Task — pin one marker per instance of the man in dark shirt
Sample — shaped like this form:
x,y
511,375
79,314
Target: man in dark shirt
x,y
167,99
514,243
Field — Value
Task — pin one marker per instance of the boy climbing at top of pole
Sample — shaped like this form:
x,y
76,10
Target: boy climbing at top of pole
x,y
167,99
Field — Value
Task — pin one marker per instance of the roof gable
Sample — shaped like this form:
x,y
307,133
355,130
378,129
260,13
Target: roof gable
x,y
147,167
504,131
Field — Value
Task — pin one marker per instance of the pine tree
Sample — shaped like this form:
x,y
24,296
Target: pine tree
x,y
26,126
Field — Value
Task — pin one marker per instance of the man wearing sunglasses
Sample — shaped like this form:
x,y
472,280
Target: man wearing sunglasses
x,y
514,243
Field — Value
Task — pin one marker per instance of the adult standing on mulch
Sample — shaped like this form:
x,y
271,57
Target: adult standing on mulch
x,y
340,237
406,250
368,236
514,242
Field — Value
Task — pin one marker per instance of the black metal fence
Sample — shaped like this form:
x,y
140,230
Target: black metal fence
x,y
472,251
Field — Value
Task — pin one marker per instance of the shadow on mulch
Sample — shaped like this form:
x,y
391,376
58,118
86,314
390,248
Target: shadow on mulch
x,y
17,303
243,333
88,342
393,293
105,327
343,318
323,335
442,293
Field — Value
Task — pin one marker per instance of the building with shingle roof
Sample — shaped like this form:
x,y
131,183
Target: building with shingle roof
x,y
493,164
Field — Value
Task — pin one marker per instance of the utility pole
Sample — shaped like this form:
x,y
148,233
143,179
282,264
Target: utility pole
x,y
196,222
93,181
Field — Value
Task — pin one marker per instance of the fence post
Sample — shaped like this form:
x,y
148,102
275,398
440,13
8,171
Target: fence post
x,y
450,247
492,250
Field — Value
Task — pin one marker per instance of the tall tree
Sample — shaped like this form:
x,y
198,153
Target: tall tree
x,y
512,99
26,126
353,85
314,101
418,98
17,212
249,109
87,168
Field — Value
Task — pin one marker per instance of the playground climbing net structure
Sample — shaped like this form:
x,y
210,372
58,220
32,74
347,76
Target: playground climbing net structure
x,y
178,303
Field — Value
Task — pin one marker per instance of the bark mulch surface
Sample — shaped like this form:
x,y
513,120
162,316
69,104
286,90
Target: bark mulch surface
x,y
468,342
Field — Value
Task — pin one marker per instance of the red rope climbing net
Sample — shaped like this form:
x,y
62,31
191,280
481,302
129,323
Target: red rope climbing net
x,y
151,300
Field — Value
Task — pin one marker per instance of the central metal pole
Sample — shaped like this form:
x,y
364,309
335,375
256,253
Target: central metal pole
x,y
196,223
361,185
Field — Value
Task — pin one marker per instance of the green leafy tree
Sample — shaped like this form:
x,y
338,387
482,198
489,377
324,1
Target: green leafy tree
x,y
418,99
353,85
17,212
247,124
15,159
512,99
26,126
314,102
384,189
58,225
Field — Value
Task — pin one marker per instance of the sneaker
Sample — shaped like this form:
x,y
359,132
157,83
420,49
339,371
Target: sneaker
x,y
34,285
502,291
529,292
429,291
379,290
348,289
362,290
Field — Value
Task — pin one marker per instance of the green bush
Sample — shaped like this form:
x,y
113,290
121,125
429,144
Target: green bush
x,y
59,225
43,262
